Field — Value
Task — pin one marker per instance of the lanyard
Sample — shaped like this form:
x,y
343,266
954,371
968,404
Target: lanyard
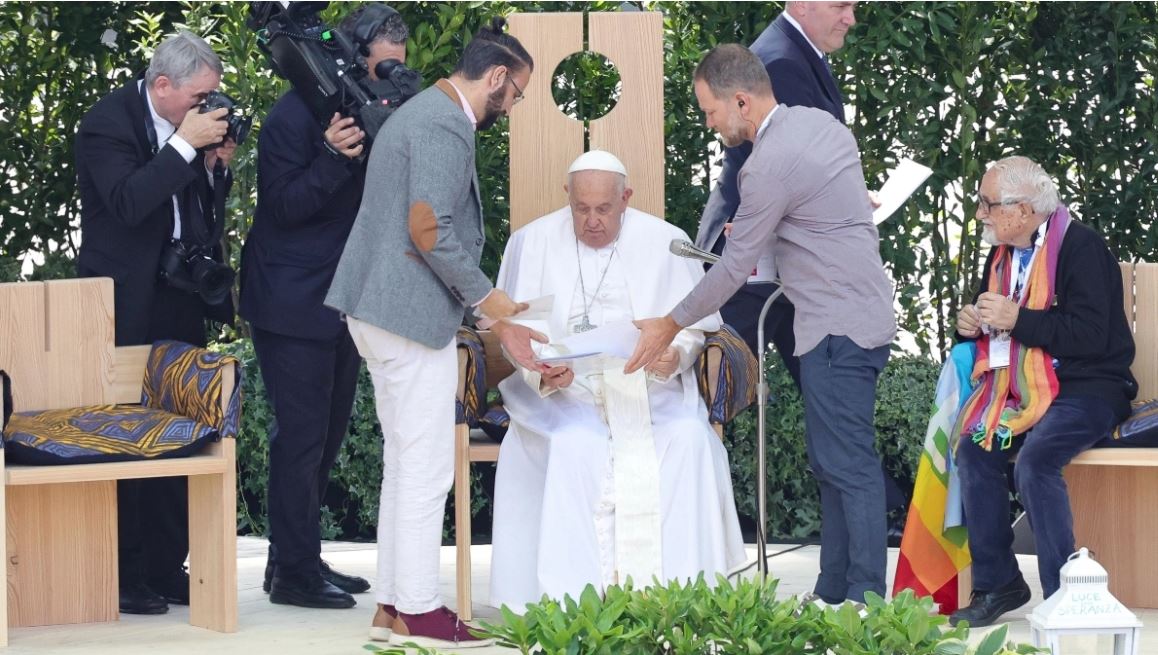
x,y
1020,266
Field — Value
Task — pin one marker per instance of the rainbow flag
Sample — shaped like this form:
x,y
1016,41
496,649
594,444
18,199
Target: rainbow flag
x,y
935,548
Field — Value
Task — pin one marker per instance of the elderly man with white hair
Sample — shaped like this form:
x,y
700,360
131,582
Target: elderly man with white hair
x,y
1051,374
604,476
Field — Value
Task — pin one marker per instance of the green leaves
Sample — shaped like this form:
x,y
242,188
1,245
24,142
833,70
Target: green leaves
x,y
702,618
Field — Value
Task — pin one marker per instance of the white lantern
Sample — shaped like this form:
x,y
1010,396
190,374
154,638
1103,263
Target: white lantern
x,y
1084,605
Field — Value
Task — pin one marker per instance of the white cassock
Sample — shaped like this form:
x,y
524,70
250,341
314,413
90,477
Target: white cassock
x,y
555,527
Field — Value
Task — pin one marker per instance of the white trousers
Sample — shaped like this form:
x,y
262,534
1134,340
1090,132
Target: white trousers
x,y
414,394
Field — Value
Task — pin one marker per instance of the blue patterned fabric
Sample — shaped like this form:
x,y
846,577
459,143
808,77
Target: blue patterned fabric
x,y
469,409
495,422
187,381
1140,430
102,433
736,380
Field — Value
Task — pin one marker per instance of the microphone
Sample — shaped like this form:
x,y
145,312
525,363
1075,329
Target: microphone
x,y
681,248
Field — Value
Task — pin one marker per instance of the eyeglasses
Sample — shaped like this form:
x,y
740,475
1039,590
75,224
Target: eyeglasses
x,y
518,91
983,202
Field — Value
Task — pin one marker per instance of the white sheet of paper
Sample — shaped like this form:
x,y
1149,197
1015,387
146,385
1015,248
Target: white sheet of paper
x,y
613,340
538,309
564,359
902,182
765,269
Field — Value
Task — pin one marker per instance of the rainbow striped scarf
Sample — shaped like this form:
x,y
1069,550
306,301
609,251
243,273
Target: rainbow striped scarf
x,y
1008,401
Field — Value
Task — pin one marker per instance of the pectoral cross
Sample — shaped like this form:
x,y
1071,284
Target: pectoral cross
x,y
584,325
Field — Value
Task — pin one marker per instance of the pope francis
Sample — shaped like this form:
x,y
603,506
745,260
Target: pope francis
x,y
604,476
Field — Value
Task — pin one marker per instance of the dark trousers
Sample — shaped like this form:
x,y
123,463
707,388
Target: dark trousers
x,y
153,513
742,313
1070,426
839,383
310,384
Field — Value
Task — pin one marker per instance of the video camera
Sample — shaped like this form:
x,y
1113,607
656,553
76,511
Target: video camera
x,y
327,68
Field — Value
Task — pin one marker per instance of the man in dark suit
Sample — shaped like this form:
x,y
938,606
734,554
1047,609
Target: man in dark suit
x,y
144,169
309,188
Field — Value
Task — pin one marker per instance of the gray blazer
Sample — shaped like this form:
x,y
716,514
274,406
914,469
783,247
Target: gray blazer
x,y
411,264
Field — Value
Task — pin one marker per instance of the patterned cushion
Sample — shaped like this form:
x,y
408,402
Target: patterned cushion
x,y
186,380
495,422
1140,430
736,380
102,433
469,409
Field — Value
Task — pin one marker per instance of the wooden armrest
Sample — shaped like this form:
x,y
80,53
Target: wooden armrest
x,y
129,364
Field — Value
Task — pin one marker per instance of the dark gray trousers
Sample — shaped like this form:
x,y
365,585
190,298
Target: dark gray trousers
x,y
839,379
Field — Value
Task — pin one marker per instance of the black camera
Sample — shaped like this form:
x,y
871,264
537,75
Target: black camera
x,y
190,267
238,125
328,68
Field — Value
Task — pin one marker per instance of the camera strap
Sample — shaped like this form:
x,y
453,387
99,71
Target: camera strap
x,y
150,129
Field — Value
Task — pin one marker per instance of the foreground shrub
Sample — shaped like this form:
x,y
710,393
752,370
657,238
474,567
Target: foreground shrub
x,y
744,617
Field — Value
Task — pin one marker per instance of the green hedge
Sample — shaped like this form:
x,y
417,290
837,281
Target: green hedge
x,y
904,396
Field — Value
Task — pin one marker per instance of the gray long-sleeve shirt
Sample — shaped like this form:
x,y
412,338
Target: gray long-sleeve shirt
x,y
802,194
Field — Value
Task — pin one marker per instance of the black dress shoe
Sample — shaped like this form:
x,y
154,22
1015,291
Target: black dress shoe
x,y
988,606
307,591
350,584
268,574
174,588
139,599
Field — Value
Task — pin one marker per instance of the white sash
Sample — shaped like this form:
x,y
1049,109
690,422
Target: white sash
x,y
638,550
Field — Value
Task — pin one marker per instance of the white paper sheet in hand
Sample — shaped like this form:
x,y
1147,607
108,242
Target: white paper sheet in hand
x,y
904,180
613,340
538,309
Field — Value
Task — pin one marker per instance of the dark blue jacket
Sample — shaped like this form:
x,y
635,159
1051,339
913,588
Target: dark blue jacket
x,y
799,78
306,204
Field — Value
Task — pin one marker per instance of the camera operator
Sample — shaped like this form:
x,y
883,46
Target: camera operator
x,y
145,178
309,189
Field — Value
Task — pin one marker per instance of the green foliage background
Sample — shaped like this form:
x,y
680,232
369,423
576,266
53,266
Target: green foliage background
x,y
952,84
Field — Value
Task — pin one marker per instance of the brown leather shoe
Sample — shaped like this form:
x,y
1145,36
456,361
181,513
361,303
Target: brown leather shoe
x,y
440,628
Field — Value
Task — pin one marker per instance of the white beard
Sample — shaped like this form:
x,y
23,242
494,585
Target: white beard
x,y
989,236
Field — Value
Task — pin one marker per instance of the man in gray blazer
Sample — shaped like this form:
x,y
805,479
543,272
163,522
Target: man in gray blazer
x,y
409,272
802,194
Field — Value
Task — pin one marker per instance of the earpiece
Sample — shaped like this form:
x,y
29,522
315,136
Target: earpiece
x,y
741,103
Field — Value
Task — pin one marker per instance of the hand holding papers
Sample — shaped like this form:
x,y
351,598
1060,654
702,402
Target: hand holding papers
x,y
904,180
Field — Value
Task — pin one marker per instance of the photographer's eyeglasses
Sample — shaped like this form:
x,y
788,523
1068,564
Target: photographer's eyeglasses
x,y
518,91
984,203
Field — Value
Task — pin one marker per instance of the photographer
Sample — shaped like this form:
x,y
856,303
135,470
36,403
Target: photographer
x,y
144,169
309,188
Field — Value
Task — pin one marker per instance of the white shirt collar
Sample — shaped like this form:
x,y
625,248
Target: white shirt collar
x,y
792,21
767,120
465,105
164,128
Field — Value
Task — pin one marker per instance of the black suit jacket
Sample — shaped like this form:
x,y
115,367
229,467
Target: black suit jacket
x,y
307,201
126,196
799,78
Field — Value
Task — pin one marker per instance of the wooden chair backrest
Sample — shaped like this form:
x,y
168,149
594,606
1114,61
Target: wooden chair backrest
x,y
56,342
1140,299
544,141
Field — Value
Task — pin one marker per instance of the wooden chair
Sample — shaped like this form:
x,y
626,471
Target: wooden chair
x,y
56,341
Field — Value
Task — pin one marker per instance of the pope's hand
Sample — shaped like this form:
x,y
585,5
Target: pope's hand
x,y
516,340
499,305
656,334
558,377
665,365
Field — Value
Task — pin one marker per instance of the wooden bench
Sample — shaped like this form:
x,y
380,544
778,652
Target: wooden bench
x,y
1114,491
59,537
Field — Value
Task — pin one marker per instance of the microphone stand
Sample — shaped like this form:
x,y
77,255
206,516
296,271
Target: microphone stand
x,y
682,248
761,439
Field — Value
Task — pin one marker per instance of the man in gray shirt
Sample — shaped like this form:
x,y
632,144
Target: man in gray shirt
x,y
803,195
